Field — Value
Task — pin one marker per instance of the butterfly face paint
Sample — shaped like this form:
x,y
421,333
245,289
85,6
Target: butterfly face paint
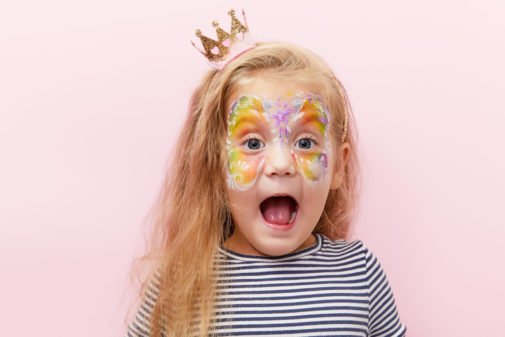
x,y
290,116
314,166
246,115
282,117
312,112
313,116
242,171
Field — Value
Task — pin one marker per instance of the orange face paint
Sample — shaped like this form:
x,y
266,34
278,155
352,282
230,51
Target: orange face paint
x,y
246,115
249,114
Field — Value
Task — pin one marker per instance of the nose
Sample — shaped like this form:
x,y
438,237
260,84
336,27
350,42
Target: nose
x,y
279,161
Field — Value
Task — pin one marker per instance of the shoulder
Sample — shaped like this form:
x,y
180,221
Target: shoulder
x,y
353,256
355,251
341,248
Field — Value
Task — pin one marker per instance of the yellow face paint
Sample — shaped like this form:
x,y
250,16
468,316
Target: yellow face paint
x,y
243,171
243,168
312,114
248,114
246,110
314,166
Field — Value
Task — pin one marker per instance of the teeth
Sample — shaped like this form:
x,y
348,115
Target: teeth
x,y
293,215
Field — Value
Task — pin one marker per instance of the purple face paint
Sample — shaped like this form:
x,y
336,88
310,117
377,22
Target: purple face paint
x,y
301,113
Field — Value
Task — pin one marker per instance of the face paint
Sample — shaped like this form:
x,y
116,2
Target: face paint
x,y
243,168
304,111
282,117
246,110
314,166
313,113
243,171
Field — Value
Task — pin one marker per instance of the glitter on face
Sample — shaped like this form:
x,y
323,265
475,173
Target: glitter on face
x,y
315,113
246,114
245,110
249,113
282,117
242,171
313,165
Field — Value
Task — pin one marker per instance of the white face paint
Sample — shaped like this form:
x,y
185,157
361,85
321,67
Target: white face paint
x,y
248,119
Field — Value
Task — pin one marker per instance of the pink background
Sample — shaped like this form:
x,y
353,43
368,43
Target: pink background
x,y
92,95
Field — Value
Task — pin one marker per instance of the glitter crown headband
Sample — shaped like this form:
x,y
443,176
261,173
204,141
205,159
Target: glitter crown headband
x,y
228,45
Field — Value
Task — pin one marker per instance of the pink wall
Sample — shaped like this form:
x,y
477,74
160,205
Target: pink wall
x,y
93,92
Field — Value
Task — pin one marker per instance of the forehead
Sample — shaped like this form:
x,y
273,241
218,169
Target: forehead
x,y
263,86
258,94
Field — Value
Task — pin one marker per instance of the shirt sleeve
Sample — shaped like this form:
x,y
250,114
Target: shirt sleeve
x,y
383,315
140,326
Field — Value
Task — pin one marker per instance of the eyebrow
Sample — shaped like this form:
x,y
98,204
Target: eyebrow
x,y
245,123
309,117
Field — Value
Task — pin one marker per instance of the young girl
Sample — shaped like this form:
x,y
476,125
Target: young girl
x,y
251,221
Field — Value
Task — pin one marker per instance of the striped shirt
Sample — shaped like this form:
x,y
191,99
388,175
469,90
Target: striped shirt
x,y
333,288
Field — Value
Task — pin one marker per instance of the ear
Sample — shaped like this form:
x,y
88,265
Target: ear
x,y
339,165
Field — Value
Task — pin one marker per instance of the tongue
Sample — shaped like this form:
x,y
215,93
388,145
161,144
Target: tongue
x,y
278,210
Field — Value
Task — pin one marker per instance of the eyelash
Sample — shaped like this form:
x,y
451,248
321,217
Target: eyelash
x,y
249,138
312,140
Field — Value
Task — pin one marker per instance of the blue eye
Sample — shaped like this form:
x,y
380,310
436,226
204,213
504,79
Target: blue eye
x,y
305,143
254,144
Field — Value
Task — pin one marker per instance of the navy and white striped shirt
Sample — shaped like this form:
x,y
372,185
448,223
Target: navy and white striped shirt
x,y
333,288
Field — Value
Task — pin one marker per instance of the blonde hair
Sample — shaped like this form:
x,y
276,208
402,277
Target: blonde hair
x,y
191,217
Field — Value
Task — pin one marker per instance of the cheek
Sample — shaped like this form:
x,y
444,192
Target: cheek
x,y
243,170
314,166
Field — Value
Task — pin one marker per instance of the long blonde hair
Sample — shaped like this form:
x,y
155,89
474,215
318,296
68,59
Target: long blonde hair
x,y
191,217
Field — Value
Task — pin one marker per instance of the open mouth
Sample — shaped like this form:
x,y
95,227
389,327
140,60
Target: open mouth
x,y
279,210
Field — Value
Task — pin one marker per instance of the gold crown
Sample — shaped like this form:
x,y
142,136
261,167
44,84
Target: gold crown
x,y
218,51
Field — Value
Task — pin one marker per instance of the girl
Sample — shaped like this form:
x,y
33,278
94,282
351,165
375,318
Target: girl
x,y
252,216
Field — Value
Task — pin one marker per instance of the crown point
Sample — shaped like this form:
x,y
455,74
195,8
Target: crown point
x,y
231,12
215,23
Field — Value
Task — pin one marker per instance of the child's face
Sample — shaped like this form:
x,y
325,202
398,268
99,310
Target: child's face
x,y
281,166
